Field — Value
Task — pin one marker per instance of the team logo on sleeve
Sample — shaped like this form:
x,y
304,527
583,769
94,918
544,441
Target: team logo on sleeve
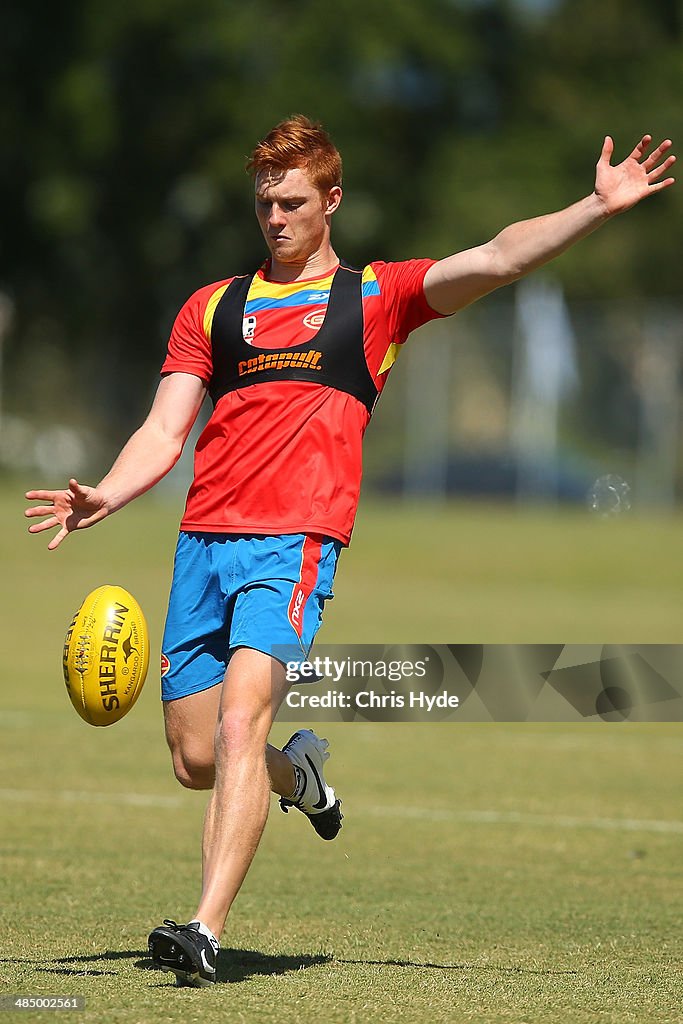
x,y
165,664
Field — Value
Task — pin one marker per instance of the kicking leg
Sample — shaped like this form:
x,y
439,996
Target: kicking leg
x,y
190,724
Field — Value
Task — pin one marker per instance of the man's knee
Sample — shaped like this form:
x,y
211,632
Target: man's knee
x,y
192,767
190,723
240,732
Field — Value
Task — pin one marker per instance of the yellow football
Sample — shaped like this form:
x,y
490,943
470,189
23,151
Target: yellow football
x,y
106,655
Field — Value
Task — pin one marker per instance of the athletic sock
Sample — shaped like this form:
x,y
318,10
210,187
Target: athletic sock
x,y
207,933
299,783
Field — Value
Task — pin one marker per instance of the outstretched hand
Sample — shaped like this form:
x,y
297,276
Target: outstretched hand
x,y
73,509
639,175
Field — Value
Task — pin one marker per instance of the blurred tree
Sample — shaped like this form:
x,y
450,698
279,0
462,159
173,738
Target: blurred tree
x,y
581,72
127,128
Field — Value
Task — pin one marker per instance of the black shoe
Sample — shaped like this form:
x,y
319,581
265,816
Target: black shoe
x,y
183,949
326,823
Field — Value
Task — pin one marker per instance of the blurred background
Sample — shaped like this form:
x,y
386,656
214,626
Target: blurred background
x,y
126,129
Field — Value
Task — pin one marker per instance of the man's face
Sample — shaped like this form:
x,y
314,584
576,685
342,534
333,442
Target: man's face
x,y
292,214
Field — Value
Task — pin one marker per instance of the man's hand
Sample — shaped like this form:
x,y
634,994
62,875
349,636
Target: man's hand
x,y
621,187
73,509
145,458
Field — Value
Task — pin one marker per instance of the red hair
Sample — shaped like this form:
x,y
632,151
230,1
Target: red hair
x,y
299,142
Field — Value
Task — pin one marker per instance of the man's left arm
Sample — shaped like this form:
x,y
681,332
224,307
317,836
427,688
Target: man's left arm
x,y
458,280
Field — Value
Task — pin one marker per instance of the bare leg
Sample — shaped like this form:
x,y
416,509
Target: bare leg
x,y
253,689
191,733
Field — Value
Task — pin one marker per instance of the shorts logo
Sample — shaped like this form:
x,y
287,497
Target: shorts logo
x,y
296,608
314,319
165,664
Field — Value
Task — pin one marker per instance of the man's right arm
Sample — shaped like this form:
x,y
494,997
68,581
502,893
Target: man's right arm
x,y
147,457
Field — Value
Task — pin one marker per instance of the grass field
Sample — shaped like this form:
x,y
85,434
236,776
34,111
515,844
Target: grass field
x,y
495,873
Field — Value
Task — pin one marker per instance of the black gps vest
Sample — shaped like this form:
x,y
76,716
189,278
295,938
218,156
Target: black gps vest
x,y
335,356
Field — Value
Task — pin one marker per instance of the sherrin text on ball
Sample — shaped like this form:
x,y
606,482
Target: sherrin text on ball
x,y
106,655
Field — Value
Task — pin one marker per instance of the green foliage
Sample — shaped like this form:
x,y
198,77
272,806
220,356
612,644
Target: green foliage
x,y
127,127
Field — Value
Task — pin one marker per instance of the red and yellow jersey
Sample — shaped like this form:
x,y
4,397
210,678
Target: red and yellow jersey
x,y
284,455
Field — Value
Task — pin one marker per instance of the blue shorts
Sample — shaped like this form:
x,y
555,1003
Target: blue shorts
x,y
235,590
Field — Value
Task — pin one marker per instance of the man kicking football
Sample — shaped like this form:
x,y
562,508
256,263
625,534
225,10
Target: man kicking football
x,y
294,358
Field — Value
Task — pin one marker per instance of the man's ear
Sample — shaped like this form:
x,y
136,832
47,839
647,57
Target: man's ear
x,y
333,199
